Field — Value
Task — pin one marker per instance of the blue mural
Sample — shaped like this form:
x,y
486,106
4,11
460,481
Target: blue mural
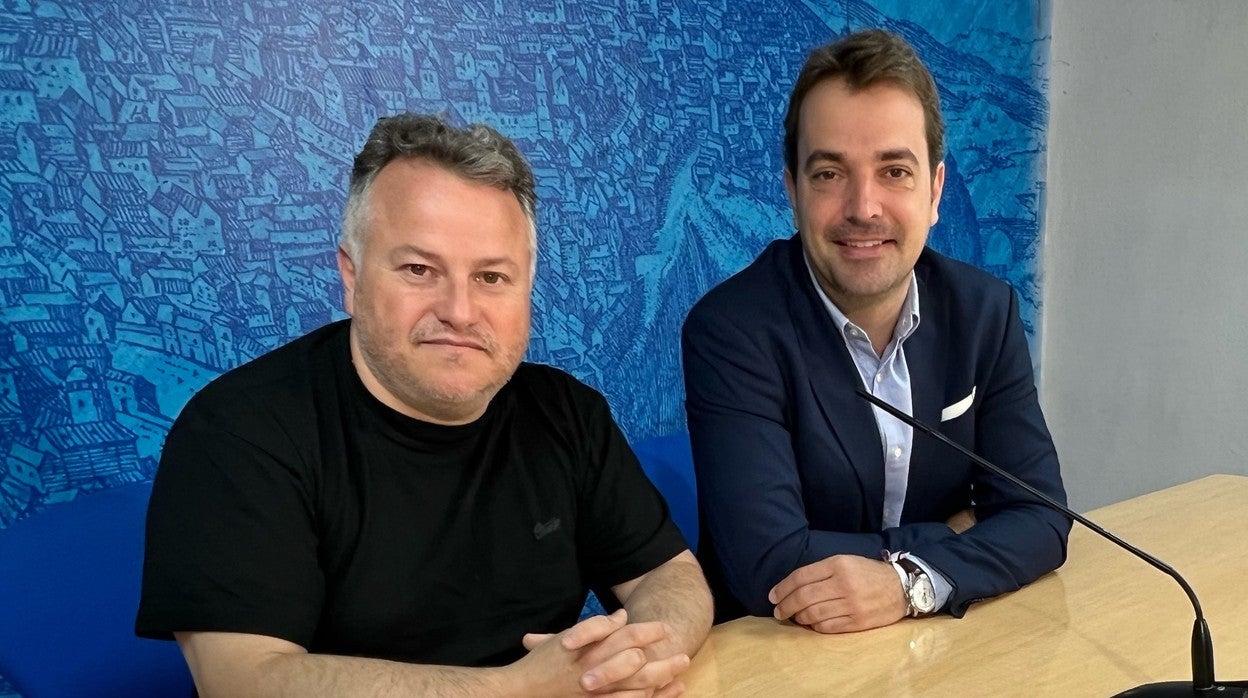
x,y
172,174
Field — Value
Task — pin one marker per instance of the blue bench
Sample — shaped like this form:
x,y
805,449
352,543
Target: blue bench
x,y
69,587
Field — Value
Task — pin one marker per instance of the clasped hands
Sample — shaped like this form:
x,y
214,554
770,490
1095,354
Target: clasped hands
x,y
604,656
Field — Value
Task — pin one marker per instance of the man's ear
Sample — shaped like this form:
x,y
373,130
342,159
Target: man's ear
x,y
938,188
346,268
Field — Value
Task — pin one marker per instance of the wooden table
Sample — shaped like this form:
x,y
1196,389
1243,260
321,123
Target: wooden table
x,y
1106,621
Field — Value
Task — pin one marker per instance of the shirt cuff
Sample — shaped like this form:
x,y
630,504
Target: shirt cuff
x,y
940,586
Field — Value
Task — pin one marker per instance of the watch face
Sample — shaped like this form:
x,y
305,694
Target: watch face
x,y
922,595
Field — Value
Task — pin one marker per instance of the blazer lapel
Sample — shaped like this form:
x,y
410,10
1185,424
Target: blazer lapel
x,y
833,379
927,359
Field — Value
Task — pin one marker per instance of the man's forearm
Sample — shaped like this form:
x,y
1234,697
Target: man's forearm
x,y
225,664
310,674
674,593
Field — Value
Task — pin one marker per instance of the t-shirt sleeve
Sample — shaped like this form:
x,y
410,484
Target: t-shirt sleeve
x,y
626,529
231,538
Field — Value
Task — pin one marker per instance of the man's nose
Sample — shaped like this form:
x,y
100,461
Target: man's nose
x,y
456,305
863,202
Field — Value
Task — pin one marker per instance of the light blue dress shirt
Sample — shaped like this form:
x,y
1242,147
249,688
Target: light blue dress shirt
x,y
887,376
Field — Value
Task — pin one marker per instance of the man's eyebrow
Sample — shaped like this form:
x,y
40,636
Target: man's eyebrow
x,y
835,156
898,154
822,155
497,262
405,250
401,251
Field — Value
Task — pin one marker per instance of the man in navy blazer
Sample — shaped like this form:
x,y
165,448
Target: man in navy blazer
x,y
816,506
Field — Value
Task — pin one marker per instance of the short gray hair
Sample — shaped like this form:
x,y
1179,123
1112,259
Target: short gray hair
x,y
478,153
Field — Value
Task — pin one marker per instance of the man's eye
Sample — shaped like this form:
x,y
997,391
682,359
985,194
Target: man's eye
x,y
824,176
897,172
491,277
417,269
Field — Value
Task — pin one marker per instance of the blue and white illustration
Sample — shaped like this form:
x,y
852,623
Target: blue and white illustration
x,y
172,174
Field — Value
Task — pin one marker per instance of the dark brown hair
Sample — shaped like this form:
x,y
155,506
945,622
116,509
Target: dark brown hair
x,y
864,59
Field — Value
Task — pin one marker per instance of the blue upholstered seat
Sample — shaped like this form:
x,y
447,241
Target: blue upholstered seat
x,y
69,587
668,461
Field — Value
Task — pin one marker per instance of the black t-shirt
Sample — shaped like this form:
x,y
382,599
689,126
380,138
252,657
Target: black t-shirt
x,y
290,502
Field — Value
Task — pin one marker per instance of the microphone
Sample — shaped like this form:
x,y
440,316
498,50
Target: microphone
x,y
1202,642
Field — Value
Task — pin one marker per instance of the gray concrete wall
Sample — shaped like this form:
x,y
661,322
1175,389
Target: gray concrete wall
x,y
1144,353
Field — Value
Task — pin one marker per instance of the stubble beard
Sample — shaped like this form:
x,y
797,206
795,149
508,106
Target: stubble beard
x,y
847,288
393,366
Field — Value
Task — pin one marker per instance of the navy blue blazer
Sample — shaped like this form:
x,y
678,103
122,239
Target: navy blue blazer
x,y
790,469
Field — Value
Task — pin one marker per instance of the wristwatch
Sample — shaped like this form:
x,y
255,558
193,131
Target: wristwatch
x,y
920,594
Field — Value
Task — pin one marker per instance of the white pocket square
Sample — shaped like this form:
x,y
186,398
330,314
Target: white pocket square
x,y
958,408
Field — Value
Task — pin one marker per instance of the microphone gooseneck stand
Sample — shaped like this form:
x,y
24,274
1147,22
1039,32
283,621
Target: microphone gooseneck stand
x,y
1203,682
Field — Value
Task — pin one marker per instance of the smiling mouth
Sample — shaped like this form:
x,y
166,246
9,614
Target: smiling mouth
x,y
862,243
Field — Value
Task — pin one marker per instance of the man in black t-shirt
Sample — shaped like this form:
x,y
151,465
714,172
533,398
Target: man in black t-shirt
x,y
397,504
